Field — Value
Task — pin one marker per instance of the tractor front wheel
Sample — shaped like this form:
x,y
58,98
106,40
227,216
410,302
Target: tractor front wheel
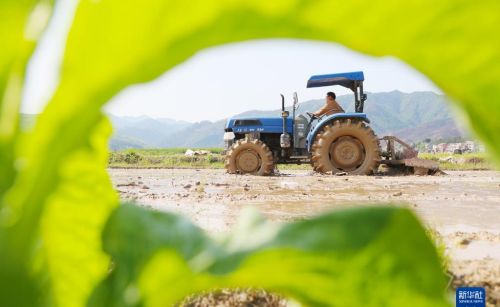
x,y
346,146
249,157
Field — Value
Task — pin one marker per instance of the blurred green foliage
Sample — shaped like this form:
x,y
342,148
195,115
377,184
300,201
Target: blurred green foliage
x,y
55,195
356,257
21,23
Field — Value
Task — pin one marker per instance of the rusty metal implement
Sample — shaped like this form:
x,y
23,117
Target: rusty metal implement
x,y
399,154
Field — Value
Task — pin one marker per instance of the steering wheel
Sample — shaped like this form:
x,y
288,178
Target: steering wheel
x,y
311,115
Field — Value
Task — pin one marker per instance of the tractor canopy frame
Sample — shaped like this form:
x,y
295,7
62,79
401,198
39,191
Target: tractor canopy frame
x,y
351,80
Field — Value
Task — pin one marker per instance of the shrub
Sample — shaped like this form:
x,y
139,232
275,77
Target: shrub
x,y
132,157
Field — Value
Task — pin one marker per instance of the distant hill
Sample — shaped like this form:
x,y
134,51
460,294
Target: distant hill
x,y
413,117
200,134
393,112
143,131
410,116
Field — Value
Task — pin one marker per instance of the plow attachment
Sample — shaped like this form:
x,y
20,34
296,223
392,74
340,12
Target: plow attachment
x,y
400,156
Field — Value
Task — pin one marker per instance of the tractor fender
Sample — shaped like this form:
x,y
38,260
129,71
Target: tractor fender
x,y
329,119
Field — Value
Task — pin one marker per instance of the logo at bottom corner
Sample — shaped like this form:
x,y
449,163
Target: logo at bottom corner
x,y
470,297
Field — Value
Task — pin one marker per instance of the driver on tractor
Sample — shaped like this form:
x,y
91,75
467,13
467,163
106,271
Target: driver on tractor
x,y
331,106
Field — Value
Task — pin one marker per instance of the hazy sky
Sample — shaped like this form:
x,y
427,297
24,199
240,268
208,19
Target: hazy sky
x,y
225,80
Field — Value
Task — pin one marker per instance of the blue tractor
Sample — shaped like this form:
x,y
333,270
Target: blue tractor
x,y
342,142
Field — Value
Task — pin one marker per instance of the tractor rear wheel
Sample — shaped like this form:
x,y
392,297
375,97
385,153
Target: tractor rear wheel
x,y
346,146
249,157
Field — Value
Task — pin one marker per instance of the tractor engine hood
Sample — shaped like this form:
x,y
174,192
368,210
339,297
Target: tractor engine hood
x,y
259,124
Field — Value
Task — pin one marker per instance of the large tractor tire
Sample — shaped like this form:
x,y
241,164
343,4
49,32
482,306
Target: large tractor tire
x,y
249,157
346,146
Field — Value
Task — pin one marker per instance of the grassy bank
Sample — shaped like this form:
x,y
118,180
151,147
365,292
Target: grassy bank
x,y
468,161
165,158
176,158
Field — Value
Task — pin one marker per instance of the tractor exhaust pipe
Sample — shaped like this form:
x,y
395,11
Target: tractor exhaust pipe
x,y
283,115
285,141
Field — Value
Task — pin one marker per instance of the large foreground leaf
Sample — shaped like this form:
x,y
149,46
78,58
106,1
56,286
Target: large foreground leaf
x,y
21,23
116,43
72,222
357,257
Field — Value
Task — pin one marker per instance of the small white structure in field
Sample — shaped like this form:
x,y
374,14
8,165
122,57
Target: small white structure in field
x,y
190,153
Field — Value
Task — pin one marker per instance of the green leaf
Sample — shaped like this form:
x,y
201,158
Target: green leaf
x,y
356,257
72,222
64,269
21,23
146,232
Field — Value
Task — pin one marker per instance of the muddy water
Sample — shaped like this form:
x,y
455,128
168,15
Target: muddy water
x,y
460,199
463,206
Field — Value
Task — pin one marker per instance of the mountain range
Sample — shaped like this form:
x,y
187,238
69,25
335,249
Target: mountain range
x,y
411,116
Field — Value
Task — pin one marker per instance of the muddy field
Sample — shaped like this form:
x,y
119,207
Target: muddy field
x,y
463,207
